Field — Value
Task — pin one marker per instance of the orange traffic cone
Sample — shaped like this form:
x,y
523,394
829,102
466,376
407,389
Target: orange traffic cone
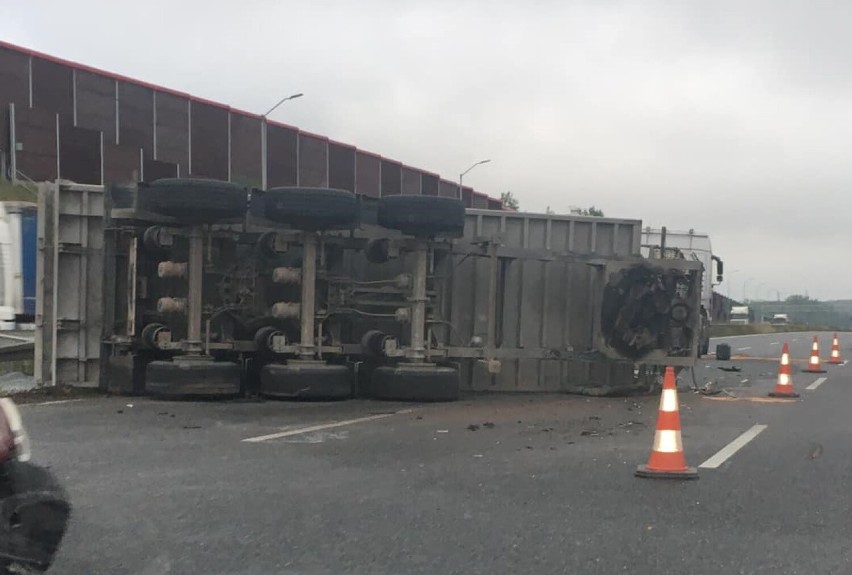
x,y
835,352
667,460
784,386
813,363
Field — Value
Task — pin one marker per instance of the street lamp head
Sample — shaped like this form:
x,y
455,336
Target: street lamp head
x,y
461,176
288,98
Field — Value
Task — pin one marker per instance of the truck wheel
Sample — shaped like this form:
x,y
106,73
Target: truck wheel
x,y
422,216
422,383
183,378
194,201
33,518
306,380
311,209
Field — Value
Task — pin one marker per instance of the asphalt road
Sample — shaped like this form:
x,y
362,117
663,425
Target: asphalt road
x,y
538,484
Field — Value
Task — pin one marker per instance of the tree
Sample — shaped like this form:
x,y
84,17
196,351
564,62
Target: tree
x,y
509,201
592,211
798,299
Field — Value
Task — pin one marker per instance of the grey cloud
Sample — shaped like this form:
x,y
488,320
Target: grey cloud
x,y
727,117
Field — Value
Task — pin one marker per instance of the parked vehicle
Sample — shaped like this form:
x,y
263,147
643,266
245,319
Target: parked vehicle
x,y
34,509
691,245
780,319
740,314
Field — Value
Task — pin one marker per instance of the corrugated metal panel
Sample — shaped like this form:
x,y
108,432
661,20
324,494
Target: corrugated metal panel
x,y
95,101
429,184
69,322
411,185
14,88
467,196
313,161
391,178
136,117
209,141
172,129
448,189
282,156
80,155
246,168
155,169
480,201
368,174
53,89
341,166
35,131
121,164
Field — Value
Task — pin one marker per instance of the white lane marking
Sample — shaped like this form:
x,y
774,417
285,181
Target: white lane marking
x,y
818,382
313,428
774,343
55,402
794,340
743,348
727,337
726,452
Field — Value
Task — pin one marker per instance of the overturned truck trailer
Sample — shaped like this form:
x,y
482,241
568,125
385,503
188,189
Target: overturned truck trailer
x,y
202,288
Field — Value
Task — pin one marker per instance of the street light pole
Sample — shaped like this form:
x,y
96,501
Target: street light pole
x,y
745,284
730,276
461,176
263,137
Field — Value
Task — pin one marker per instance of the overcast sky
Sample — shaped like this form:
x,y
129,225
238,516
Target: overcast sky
x,y
732,118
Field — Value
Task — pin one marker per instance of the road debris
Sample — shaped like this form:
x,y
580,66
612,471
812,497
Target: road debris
x,y
816,451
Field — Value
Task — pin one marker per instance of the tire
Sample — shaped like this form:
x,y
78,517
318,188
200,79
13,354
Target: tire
x,y
34,512
184,378
307,381
310,209
429,383
422,216
194,201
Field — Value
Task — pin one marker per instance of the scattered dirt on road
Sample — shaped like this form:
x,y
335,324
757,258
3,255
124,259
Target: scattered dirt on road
x,y
58,393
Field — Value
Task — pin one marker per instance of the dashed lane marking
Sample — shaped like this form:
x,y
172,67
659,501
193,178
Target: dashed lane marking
x,y
752,399
817,382
323,426
729,450
55,402
743,348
